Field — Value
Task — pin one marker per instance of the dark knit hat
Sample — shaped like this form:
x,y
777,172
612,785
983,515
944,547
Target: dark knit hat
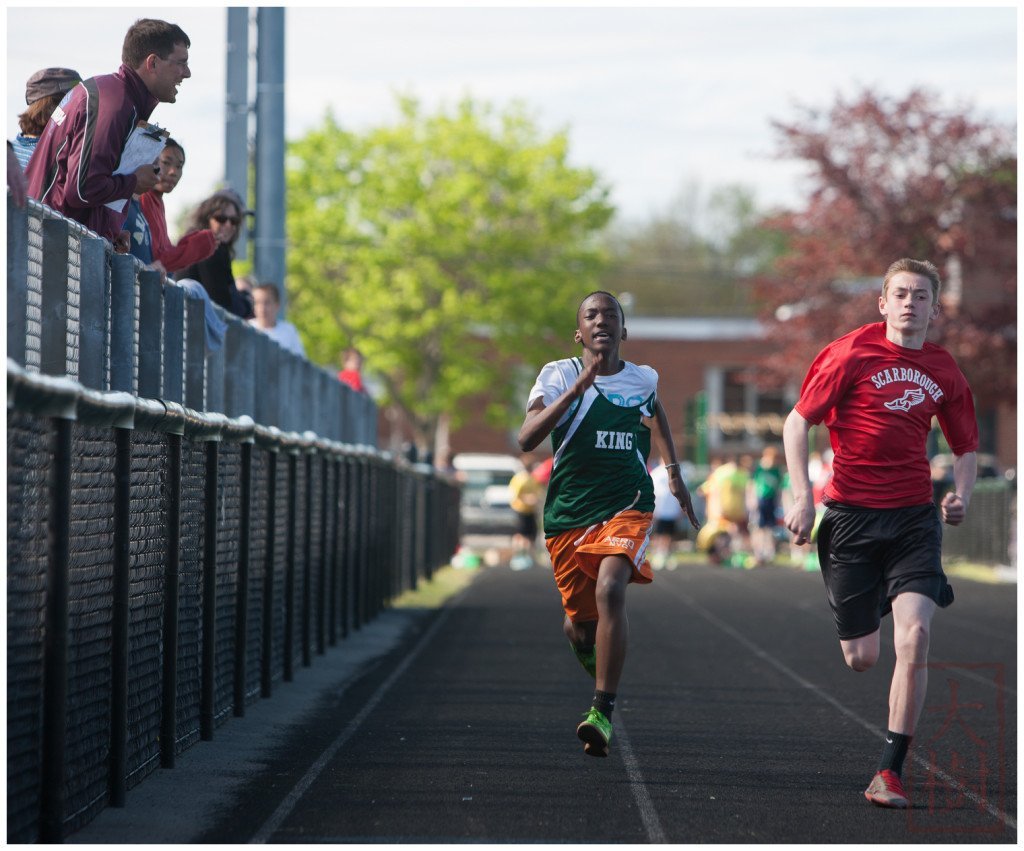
x,y
50,81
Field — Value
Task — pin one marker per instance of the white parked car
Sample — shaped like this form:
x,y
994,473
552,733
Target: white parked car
x,y
485,508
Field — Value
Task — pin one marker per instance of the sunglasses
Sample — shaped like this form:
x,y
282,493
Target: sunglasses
x,y
226,219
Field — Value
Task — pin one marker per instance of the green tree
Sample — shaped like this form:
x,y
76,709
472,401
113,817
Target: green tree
x,y
696,257
447,247
893,177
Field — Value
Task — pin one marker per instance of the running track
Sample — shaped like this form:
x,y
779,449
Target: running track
x,y
736,722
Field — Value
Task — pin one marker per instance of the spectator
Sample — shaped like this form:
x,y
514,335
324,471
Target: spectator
x,y
43,92
765,492
351,371
667,514
193,247
245,284
266,302
72,169
726,493
524,497
221,213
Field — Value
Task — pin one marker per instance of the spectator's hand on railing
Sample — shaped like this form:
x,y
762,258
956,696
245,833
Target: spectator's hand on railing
x,y
123,242
15,178
157,266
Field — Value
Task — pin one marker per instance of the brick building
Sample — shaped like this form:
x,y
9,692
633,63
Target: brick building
x,y
706,368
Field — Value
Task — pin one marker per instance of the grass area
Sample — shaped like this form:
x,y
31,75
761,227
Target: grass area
x,y
433,593
954,568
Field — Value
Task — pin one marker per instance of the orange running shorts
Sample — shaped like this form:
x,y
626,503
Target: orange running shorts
x,y
576,558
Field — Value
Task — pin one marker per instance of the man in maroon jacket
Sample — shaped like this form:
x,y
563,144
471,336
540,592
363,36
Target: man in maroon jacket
x,y
72,169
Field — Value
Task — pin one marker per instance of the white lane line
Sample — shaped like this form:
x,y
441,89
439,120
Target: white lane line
x,y
950,781
649,816
818,613
285,808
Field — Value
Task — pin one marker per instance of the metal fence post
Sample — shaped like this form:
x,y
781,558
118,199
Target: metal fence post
x,y
174,344
17,280
53,356
242,592
307,563
207,686
92,313
150,333
332,511
120,612
195,354
322,582
122,322
267,644
289,569
214,396
55,641
169,661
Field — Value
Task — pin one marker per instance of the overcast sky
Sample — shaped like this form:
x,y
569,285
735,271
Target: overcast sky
x,y
652,98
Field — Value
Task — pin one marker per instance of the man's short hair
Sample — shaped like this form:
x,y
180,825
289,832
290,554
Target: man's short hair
x,y
914,267
148,35
618,304
270,288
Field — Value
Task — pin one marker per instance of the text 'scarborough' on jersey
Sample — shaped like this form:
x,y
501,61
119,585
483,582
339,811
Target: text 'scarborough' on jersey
x,y
878,399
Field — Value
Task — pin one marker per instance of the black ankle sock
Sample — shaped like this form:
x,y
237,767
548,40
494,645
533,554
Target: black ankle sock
x,y
894,752
604,702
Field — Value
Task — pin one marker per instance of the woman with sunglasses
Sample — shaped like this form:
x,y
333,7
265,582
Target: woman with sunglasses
x,y
221,213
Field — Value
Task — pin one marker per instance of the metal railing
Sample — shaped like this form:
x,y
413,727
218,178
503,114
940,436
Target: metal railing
x,y
169,563
76,308
988,534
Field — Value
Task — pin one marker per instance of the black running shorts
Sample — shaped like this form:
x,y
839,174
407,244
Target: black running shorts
x,y
526,525
870,555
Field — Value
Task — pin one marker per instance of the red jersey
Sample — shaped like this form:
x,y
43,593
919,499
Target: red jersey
x,y
878,399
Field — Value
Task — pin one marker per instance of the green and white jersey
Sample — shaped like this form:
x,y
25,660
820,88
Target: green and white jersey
x,y
600,445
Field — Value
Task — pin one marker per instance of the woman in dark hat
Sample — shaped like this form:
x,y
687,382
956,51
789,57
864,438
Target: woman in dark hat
x,y
43,92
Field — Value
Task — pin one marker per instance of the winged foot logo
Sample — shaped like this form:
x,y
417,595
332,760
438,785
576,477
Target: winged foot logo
x,y
914,396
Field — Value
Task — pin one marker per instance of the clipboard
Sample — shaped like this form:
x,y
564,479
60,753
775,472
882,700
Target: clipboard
x,y
143,145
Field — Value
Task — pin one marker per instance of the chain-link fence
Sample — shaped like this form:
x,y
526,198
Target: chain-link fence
x,y
169,560
75,308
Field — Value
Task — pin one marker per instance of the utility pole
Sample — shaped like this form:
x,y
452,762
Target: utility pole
x,y
269,260
236,115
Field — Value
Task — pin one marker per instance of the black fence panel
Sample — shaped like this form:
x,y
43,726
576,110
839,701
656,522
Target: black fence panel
x,y
280,558
90,600
987,533
190,576
257,574
228,531
29,442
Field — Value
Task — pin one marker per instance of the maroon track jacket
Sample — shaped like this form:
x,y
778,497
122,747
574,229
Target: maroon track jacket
x,y
72,168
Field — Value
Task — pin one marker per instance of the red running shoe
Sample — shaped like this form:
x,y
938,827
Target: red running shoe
x,y
886,790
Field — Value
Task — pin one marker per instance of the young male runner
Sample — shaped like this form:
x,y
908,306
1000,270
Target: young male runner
x,y
601,413
880,540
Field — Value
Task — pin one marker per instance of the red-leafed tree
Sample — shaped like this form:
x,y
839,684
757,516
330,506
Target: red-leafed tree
x,y
890,178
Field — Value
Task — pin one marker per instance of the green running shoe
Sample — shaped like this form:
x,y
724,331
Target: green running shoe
x,y
588,659
595,731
